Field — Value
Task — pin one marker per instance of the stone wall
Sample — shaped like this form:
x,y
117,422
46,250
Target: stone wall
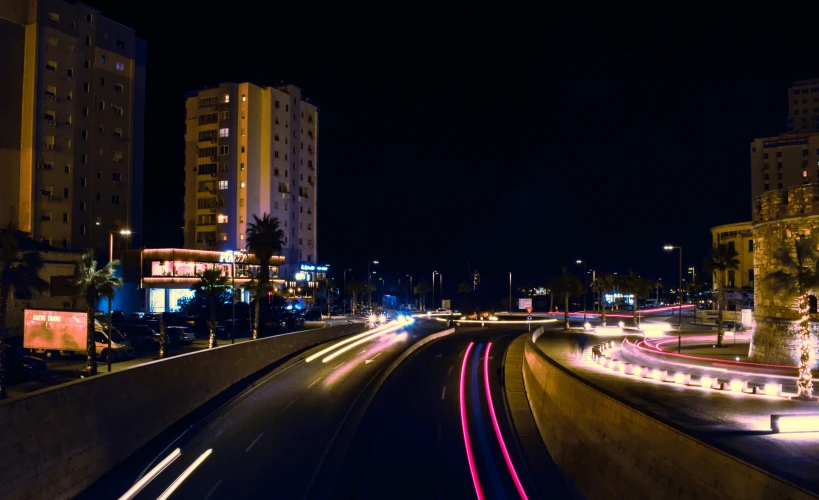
x,y
56,442
779,218
610,450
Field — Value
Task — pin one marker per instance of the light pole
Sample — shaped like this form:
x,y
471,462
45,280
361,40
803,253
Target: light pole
x,y
585,287
369,281
382,292
411,291
510,292
433,288
668,248
123,232
345,290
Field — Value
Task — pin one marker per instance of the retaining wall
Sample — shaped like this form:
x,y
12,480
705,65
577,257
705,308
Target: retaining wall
x,y
56,442
610,450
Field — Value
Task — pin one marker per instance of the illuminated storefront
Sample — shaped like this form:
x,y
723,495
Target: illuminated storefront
x,y
305,283
167,274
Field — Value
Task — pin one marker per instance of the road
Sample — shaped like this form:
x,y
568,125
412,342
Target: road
x,y
412,441
270,440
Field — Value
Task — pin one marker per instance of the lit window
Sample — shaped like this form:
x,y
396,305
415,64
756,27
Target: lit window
x,y
224,132
54,17
804,173
102,59
227,97
223,185
222,219
241,236
243,184
244,98
120,66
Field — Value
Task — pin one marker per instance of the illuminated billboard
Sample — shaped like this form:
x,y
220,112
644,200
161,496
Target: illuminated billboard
x,y
56,330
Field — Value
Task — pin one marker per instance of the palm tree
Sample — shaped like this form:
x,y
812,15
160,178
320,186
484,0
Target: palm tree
x,y
465,287
328,286
21,274
567,285
354,289
722,259
421,290
212,285
796,278
639,288
601,285
264,240
94,283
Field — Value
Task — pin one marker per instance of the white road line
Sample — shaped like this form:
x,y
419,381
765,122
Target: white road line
x,y
362,352
288,406
450,371
460,354
314,383
210,492
147,478
443,392
379,354
192,467
339,366
254,442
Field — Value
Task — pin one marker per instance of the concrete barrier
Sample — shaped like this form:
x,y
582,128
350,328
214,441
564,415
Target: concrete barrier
x,y
56,442
611,450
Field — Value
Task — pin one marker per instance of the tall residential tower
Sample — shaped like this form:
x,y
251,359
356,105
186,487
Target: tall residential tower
x,y
251,150
72,98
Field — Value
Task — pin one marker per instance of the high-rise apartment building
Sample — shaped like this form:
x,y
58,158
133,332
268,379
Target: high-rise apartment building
x,y
251,150
792,158
72,98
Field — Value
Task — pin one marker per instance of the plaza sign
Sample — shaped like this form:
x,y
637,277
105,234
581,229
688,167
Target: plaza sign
x,y
312,267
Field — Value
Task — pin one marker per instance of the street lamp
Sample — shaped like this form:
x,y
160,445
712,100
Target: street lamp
x,y
369,281
510,292
411,291
433,288
123,232
668,248
585,287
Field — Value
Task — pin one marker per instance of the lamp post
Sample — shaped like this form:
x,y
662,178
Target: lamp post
x,y
369,281
668,248
345,290
382,292
123,232
585,287
411,291
433,288
510,292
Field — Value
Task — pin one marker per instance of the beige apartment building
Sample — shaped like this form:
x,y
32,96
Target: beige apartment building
x,y
72,98
251,150
792,158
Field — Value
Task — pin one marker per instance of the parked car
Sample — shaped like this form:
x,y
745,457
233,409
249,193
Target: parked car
x,y
442,310
180,335
312,315
136,316
20,368
241,327
141,336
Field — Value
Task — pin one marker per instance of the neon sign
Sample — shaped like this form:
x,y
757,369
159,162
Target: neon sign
x,y
313,267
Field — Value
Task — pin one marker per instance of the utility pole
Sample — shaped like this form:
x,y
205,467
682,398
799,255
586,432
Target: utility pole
x,y
510,292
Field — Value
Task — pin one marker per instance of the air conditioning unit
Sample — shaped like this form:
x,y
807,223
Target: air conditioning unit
x,y
50,147
212,158
116,160
52,123
214,175
51,97
117,183
40,166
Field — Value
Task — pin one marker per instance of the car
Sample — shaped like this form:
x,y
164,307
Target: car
x,y
312,315
20,367
442,310
136,316
141,336
180,335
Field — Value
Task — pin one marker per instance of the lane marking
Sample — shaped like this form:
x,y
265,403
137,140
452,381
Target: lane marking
x,y
339,366
147,478
449,372
379,354
443,392
314,383
192,467
210,492
254,442
362,352
506,457
288,406
473,470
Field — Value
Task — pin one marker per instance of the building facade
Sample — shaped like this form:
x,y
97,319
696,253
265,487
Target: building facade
x,y
71,108
739,283
251,150
803,106
780,217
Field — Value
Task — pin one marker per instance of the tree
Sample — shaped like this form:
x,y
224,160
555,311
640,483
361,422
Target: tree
x,y
796,278
94,283
602,284
567,285
18,273
210,286
354,289
639,288
465,287
328,286
264,240
722,259
421,290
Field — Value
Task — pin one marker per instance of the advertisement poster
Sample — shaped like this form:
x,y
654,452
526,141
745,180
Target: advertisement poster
x,y
54,330
524,303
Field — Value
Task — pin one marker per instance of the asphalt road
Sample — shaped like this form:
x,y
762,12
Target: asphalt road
x,y
269,441
411,442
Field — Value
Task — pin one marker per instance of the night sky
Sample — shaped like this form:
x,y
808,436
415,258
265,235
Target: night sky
x,y
517,142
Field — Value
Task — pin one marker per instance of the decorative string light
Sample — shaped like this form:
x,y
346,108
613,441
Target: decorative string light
x,y
804,383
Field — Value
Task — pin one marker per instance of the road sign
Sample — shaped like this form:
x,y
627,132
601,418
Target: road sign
x,y
529,310
524,303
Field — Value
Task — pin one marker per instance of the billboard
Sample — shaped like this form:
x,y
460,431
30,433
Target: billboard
x,y
524,303
56,330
